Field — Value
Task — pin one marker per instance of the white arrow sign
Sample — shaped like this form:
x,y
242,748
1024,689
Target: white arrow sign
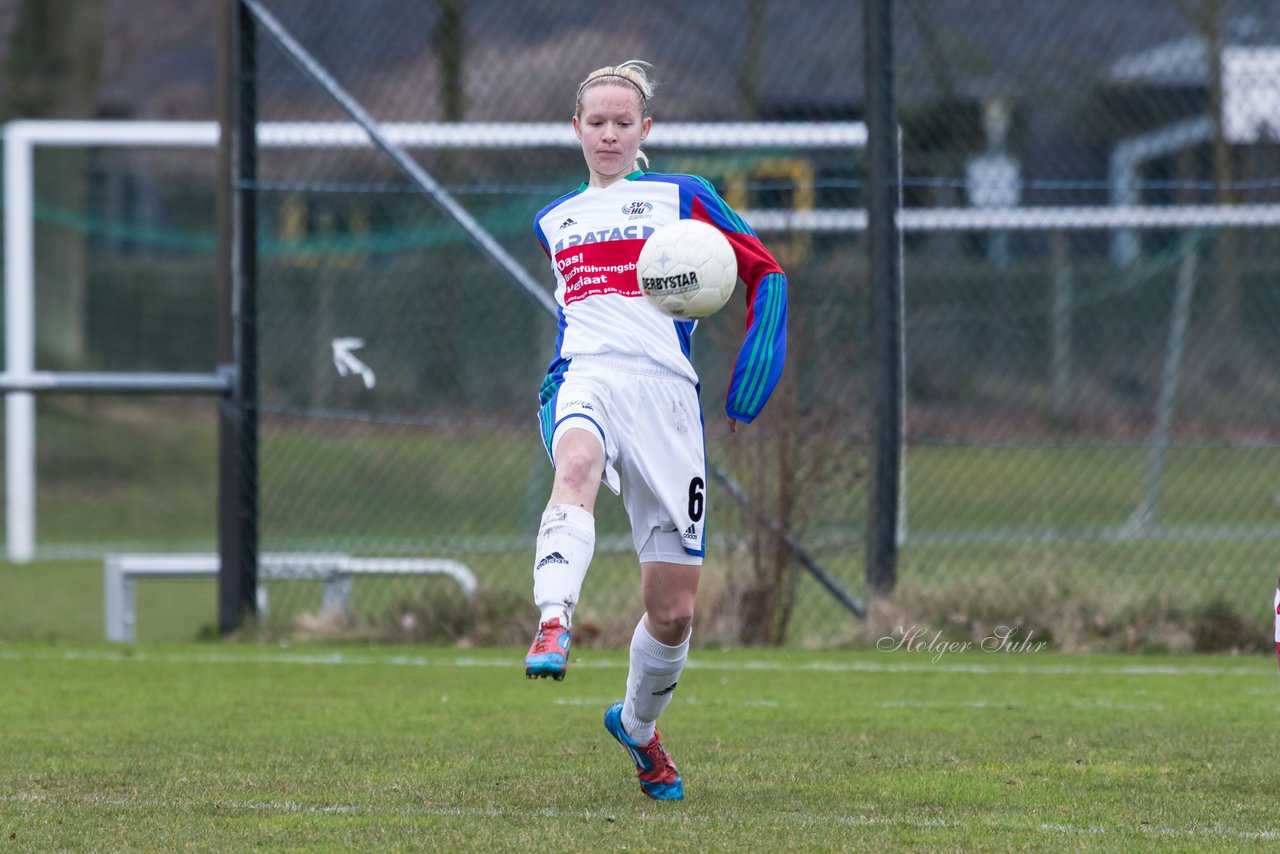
x,y
346,362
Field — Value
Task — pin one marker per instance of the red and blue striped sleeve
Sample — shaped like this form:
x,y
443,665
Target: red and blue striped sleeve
x,y
763,354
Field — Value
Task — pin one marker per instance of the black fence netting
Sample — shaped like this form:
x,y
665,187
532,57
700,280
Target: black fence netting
x,y
433,449
1088,241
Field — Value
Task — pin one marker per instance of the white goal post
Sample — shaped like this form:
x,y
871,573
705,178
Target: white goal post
x,y
120,572
20,380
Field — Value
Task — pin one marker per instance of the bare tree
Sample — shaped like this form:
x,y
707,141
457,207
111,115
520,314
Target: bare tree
x,y
803,451
55,60
749,68
1208,18
448,45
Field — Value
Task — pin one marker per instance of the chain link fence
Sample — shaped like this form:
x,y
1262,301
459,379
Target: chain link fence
x,y
1090,387
1088,241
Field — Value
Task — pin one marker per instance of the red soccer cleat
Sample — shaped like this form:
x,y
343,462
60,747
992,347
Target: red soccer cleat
x,y
658,776
549,655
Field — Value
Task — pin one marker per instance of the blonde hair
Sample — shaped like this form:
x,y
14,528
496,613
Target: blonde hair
x,y
631,73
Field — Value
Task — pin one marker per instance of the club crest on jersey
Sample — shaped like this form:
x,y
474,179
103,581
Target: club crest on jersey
x,y
635,210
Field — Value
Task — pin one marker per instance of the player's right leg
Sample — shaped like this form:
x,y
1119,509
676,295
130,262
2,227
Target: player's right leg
x,y
566,542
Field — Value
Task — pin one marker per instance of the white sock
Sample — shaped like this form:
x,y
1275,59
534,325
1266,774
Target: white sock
x,y
566,541
655,669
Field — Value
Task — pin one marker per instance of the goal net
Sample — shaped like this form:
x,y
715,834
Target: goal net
x,y
1089,392
405,322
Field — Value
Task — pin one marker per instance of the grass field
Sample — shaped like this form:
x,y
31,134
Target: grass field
x,y
991,524
239,747
172,744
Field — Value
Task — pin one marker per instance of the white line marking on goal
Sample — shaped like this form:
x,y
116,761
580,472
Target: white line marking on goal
x,y
124,802
1211,832
335,659
1053,827
688,700
585,701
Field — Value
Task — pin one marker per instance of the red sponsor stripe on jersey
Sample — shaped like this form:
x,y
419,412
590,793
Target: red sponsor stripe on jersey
x,y
599,268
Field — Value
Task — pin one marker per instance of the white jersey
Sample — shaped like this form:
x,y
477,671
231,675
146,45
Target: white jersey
x,y
621,365
594,238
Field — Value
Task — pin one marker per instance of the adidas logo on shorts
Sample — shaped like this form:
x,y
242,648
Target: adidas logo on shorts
x,y
690,533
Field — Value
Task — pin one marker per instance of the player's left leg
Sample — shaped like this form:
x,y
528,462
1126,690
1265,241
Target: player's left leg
x,y
659,649
664,471
659,644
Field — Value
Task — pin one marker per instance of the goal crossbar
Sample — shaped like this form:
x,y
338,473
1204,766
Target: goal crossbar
x,y
478,135
109,383
20,380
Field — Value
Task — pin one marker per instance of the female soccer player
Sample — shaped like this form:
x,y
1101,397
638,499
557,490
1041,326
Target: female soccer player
x,y
620,402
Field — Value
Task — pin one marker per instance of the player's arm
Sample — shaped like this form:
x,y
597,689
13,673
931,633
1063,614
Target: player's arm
x,y
762,356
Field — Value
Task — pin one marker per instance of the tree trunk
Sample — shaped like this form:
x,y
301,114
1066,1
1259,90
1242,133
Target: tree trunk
x,y
749,70
441,365
1227,295
55,62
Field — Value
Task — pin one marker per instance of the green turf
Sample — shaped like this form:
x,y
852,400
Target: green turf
x,y
147,471
242,747
141,476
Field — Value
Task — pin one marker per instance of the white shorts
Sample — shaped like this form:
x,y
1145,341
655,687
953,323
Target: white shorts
x,y
649,422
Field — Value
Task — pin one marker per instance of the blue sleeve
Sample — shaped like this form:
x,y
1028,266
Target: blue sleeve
x,y
763,353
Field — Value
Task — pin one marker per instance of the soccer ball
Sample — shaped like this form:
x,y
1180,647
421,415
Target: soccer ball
x,y
687,269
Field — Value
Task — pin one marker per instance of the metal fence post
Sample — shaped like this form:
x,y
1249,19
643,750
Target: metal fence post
x,y
237,317
882,248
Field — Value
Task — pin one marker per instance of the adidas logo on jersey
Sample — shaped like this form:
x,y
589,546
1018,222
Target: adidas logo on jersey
x,y
554,557
568,222
690,533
